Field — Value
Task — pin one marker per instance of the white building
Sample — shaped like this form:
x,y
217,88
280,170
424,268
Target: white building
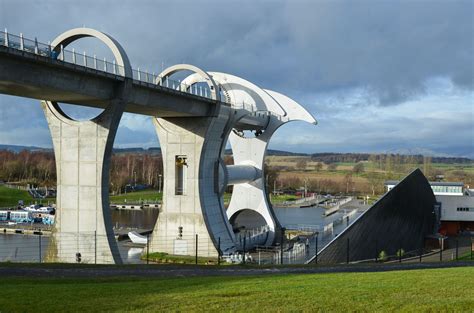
x,y
456,206
439,188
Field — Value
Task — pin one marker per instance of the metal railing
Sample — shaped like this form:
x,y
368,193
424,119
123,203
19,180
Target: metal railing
x,y
111,67
82,59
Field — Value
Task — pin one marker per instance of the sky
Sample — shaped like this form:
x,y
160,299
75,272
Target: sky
x,y
379,76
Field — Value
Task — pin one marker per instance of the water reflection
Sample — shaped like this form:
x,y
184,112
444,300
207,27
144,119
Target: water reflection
x,y
144,219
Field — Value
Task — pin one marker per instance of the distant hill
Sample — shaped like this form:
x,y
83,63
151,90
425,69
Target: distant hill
x,y
14,148
276,153
17,149
326,157
151,150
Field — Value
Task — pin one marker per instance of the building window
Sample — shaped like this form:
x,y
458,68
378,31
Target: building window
x,y
181,167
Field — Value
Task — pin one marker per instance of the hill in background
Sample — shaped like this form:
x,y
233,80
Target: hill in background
x,y
325,157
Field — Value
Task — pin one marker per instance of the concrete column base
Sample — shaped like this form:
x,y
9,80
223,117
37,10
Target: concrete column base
x,y
199,209
83,220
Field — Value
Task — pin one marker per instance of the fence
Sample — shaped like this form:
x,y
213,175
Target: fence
x,y
89,247
461,247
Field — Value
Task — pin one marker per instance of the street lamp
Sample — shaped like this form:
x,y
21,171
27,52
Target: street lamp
x,y
159,182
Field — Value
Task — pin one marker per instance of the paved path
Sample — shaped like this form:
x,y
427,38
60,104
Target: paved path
x,y
54,270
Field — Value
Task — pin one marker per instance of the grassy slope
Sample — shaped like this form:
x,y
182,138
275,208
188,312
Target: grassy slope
x,y
415,291
9,197
137,196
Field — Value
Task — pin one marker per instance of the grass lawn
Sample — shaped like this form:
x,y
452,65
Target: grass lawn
x,y
161,257
9,197
413,291
136,197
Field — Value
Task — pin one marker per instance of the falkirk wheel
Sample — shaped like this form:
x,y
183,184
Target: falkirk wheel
x,y
192,215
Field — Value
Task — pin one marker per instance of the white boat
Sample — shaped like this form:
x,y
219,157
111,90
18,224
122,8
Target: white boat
x,y
137,238
39,209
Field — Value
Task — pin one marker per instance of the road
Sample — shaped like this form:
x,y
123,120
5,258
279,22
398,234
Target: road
x,y
89,271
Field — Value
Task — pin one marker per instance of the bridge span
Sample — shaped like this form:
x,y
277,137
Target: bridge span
x,y
194,118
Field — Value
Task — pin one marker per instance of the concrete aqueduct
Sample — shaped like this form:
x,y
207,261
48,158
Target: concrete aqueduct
x,y
194,120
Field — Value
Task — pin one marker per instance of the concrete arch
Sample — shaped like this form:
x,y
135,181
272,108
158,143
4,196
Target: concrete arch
x,y
253,195
82,152
74,34
241,90
295,111
201,73
236,214
290,108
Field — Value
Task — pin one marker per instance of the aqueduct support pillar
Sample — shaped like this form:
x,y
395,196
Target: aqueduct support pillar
x,y
252,195
83,229
83,220
192,202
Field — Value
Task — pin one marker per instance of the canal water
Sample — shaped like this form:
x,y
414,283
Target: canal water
x,y
22,248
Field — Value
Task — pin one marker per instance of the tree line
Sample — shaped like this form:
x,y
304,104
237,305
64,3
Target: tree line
x,y
405,159
39,168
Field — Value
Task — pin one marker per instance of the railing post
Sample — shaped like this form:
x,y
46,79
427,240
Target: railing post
x,y
281,244
62,53
95,247
147,248
95,61
85,58
196,252
347,252
39,243
115,69
376,251
316,250
457,249
138,75
440,253
219,251
73,56
105,65
36,45
22,42
243,254
421,248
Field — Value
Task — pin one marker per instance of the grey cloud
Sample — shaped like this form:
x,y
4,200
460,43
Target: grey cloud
x,y
300,48
391,47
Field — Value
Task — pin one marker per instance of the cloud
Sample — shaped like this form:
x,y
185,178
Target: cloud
x,y
441,121
335,57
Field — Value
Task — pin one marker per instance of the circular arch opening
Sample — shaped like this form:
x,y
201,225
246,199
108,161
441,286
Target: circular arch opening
x,y
92,53
190,79
71,47
246,219
290,172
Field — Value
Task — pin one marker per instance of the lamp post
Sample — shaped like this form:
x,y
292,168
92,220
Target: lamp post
x,y
159,183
